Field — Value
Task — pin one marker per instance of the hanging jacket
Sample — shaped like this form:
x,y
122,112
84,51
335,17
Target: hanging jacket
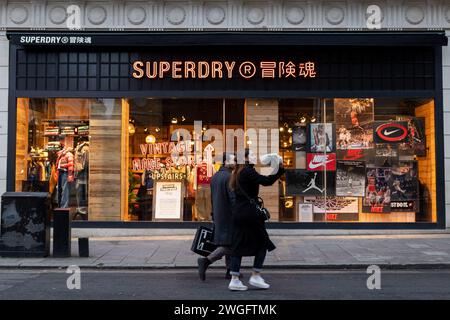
x,y
34,171
81,161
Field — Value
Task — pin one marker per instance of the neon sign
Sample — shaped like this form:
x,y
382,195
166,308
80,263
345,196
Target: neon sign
x,y
223,69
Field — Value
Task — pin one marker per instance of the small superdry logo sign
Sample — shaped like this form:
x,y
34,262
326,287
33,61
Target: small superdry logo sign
x,y
321,161
391,132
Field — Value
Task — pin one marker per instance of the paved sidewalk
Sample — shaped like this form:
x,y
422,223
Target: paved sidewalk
x,y
333,251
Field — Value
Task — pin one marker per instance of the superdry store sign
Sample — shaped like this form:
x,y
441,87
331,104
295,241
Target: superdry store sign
x,y
103,66
223,69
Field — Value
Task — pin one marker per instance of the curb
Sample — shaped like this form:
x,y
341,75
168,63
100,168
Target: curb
x,y
385,266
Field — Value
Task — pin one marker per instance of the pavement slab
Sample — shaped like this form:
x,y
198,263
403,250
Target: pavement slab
x,y
313,251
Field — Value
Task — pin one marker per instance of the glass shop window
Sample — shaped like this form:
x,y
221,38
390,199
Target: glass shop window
x,y
358,160
71,148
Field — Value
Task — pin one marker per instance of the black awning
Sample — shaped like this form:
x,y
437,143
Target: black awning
x,y
248,38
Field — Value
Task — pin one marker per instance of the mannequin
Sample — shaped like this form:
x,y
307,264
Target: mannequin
x,y
81,165
65,168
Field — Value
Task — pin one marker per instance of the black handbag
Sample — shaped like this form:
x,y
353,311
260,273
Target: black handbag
x,y
203,241
259,204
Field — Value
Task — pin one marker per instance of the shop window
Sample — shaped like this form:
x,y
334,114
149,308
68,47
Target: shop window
x,y
168,187
147,159
71,148
358,160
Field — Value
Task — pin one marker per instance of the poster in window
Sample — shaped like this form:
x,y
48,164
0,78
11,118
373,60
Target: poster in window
x,y
168,200
333,204
350,178
354,120
378,193
321,161
321,137
416,140
386,154
301,182
404,186
366,155
305,211
393,132
299,138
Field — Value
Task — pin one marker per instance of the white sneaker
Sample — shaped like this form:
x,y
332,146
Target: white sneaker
x,y
258,282
237,285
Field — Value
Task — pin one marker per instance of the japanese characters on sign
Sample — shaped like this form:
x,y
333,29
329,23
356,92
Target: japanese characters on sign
x,y
223,69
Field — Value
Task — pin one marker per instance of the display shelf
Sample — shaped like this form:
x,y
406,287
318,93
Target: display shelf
x,y
65,120
66,135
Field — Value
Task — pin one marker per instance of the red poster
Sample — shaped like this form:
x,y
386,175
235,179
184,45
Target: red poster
x,y
321,161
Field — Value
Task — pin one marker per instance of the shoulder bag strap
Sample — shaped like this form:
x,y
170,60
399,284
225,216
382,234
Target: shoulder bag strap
x,y
252,201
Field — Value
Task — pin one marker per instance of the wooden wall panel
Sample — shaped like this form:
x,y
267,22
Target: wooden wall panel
x,y
105,154
22,141
263,114
387,217
427,165
125,140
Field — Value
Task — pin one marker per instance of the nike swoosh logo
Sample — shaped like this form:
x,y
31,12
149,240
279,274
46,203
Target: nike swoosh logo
x,y
388,133
316,165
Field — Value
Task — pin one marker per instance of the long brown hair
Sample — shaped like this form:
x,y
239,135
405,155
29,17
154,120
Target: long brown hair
x,y
235,176
237,170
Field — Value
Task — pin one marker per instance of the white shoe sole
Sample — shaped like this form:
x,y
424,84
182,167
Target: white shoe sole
x,y
233,288
259,286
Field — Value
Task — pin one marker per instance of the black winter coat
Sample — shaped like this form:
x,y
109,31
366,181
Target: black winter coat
x,y
222,199
249,230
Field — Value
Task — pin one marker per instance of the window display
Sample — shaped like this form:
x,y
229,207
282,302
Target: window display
x,y
147,159
170,157
382,170
71,148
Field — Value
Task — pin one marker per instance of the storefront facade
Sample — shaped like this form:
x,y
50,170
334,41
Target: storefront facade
x,y
126,127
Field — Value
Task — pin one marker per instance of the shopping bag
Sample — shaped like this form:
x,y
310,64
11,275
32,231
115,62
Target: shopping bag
x,y
203,241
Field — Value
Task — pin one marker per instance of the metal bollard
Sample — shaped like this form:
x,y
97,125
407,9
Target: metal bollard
x,y
62,235
83,247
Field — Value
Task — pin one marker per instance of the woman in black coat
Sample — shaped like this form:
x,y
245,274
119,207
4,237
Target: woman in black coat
x,y
250,237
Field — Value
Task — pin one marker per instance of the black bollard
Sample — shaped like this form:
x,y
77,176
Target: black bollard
x,y
83,247
61,233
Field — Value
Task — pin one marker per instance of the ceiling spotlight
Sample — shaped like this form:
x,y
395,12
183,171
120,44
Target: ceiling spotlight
x,y
183,119
303,119
313,119
146,130
174,120
157,129
290,130
281,129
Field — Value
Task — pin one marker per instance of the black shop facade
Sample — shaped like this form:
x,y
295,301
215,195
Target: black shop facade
x,y
127,129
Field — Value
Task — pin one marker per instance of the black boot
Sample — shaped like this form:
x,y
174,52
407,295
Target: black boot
x,y
203,264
